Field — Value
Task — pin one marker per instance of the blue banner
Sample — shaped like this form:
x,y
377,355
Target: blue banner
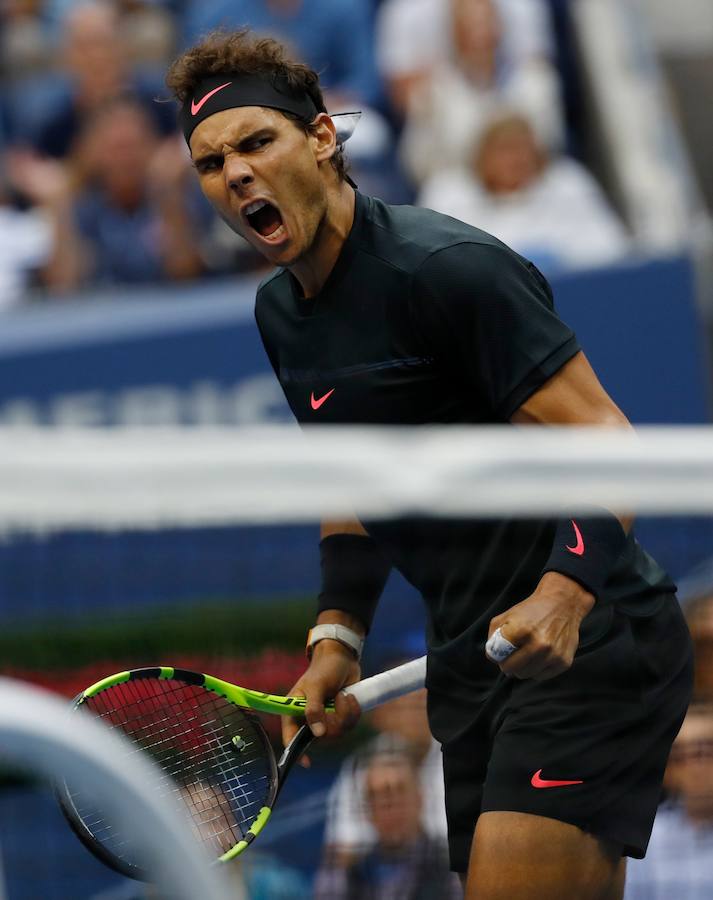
x,y
193,356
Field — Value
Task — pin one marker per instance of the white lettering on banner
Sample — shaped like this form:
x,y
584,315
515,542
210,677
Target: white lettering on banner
x,y
258,400
150,405
254,400
21,411
79,410
204,403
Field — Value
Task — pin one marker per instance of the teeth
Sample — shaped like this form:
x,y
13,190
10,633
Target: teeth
x,y
278,232
254,207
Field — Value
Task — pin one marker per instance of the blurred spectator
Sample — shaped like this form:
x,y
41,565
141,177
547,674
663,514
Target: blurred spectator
x,y
124,216
95,57
683,33
404,863
403,726
699,614
25,243
679,862
147,26
549,209
334,37
24,38
446,109
413,36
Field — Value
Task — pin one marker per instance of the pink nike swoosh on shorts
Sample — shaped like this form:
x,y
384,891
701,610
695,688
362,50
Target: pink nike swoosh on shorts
x,y
537,782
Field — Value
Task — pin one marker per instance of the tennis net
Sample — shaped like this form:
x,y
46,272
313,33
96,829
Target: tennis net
x,y
199,548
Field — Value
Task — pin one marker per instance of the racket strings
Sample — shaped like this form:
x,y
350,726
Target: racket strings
x,y
212,758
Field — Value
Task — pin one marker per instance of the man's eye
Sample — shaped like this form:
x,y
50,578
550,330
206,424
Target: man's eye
x,y
212,164
258,143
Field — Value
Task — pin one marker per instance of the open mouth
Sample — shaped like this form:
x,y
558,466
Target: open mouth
x,y
265,218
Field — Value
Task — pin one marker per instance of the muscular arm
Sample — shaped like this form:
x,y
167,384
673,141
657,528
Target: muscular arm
x,y
545,625
574,396
333,666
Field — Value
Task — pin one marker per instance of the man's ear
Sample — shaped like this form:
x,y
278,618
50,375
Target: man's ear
x,y
324,137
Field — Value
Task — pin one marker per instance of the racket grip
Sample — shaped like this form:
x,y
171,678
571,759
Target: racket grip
x,y
371,692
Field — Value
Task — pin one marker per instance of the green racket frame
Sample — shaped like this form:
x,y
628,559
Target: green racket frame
x,y
240,696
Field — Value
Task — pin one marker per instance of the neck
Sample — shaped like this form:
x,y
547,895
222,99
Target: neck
x,y
313,268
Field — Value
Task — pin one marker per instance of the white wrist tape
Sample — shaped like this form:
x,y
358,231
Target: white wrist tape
x,y
339,633
498,648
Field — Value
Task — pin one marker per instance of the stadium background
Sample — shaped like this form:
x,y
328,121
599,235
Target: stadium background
x,y
184,350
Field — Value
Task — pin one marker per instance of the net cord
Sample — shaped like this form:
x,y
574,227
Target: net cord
x,y
146,478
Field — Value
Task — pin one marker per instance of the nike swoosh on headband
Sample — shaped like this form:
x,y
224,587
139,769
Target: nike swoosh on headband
x,y
196,107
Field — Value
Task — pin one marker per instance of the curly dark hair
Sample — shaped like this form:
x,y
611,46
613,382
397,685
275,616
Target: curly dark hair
x,y
242,52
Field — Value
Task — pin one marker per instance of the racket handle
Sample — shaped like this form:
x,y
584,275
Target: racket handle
x,y
371,692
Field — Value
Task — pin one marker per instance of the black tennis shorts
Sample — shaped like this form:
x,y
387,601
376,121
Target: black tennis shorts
x,y
588,747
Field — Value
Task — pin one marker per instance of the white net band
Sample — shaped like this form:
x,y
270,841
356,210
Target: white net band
x,y
116,478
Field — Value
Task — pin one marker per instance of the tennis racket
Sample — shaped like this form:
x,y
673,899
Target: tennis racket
x,y
214,759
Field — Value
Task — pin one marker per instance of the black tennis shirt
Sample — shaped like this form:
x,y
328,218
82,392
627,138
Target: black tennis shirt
x,y
426,320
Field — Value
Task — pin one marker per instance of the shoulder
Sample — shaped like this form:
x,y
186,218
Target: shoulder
x,y
274,282
484,282
406,237
270,292
475,267
271,279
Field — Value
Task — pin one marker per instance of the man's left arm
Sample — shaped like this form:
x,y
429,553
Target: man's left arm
x,y
545,626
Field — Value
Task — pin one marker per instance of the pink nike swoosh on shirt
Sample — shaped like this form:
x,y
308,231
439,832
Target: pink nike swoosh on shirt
x,y
196,107
538,782
316,403
578,548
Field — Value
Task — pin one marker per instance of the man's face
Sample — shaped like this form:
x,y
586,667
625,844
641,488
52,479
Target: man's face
x,y
508,159
690,771
262,174
93,53
476,29
394,802
701,625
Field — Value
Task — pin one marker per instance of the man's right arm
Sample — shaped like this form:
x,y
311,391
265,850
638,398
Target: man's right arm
x,y
333,665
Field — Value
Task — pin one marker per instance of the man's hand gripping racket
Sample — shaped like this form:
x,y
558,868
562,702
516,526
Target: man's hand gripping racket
x,y
213,756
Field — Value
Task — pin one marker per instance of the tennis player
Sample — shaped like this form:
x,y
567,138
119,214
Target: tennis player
x,y
555,741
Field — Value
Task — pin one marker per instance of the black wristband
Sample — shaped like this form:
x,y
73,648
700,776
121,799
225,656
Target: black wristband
x,y
587,548
354,573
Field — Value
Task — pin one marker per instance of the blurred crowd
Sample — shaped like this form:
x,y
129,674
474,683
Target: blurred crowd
x,y
678,863
468,108
385,835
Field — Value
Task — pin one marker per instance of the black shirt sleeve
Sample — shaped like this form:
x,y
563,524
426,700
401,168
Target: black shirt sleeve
x,y
489,313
